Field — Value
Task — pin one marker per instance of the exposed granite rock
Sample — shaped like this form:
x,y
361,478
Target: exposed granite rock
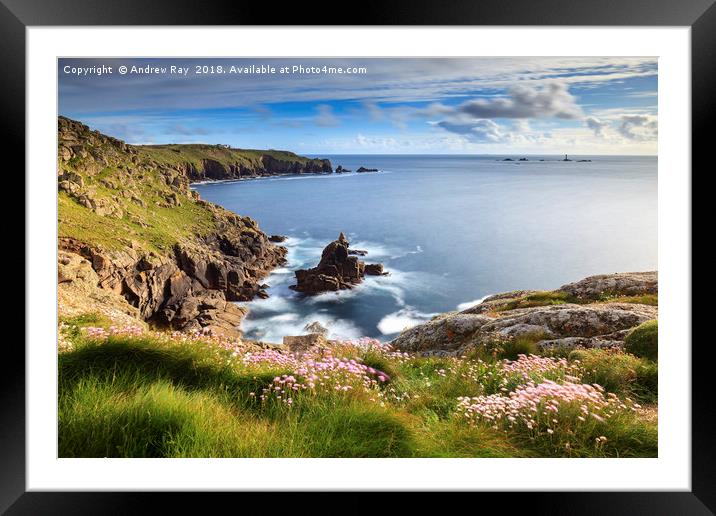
x,y
620,284
363,169
316,327
337,270
78,292
555,325
302,343
277,238
374,269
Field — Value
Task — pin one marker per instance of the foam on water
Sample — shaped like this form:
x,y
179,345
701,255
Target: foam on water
x,y
470,304
448,229
402,320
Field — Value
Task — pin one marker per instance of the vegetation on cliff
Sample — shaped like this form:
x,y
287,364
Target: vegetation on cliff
x,y
170,257
153,394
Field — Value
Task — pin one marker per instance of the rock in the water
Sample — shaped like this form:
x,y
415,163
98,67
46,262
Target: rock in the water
x,y
363,169
301,343
316,327
277,238
341,170
357,252
374,269
337,270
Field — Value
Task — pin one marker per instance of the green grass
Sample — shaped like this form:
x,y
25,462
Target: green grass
x,y
643,341
620,373
195,153
645,299
152,397
552,297
545,298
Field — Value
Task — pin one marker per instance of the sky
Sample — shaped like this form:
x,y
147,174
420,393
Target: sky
x,y
515,105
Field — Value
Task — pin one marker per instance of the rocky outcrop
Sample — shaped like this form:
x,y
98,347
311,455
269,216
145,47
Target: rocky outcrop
x,y
620,284
569,325
187,284
363,169
273,165
337,270
78,292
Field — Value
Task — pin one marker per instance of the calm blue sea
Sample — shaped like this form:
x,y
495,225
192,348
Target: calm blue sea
x,y
449,229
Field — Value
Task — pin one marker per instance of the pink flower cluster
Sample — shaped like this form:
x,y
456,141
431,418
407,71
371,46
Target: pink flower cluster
x,y
327,373
542,407
270,356
528,366
94,332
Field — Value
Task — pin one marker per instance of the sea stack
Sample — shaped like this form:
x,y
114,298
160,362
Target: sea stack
x,y
337,270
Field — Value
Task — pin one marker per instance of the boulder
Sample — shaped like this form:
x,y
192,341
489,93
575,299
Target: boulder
x,y
277,238
374,269
363,169
337,270
620,284
316,327
302,343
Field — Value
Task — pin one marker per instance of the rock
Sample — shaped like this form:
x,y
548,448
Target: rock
x,y
277,238
363,169
341,170
357,252
302,343
620,284
564,325
316,327
374,269
337,270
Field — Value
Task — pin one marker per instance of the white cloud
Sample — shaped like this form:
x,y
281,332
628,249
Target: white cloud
x,y
596,125
551,100
325,116
639,127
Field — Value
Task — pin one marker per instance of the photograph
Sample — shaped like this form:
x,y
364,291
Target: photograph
x,y
359,257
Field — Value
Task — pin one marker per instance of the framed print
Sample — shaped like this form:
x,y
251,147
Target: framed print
x,y
419,252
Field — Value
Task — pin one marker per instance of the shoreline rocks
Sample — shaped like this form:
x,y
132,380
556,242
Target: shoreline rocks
x,y
337,270
363,169
554,324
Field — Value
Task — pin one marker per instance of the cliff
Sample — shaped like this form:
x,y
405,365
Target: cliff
x,y
215,162
133,238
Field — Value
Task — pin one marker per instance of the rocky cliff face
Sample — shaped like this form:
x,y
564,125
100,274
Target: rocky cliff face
x,y
576,315
175,259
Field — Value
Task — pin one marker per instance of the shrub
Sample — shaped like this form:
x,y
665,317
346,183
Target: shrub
x,y
643,341
512,349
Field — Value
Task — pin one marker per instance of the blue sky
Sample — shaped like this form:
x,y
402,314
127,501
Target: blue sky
x,y
591,105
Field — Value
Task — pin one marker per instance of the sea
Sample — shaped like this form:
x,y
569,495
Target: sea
x,y
449,230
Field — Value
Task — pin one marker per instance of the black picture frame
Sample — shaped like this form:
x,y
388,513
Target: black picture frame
x,y
17,15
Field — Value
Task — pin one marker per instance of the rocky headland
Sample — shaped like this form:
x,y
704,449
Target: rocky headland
x,y
136,242
338,269
598,311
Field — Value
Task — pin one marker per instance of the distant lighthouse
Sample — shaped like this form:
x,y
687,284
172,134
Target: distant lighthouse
x,y
566,158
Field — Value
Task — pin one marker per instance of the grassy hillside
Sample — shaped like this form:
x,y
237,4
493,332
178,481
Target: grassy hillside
x,y
125,392
176,154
